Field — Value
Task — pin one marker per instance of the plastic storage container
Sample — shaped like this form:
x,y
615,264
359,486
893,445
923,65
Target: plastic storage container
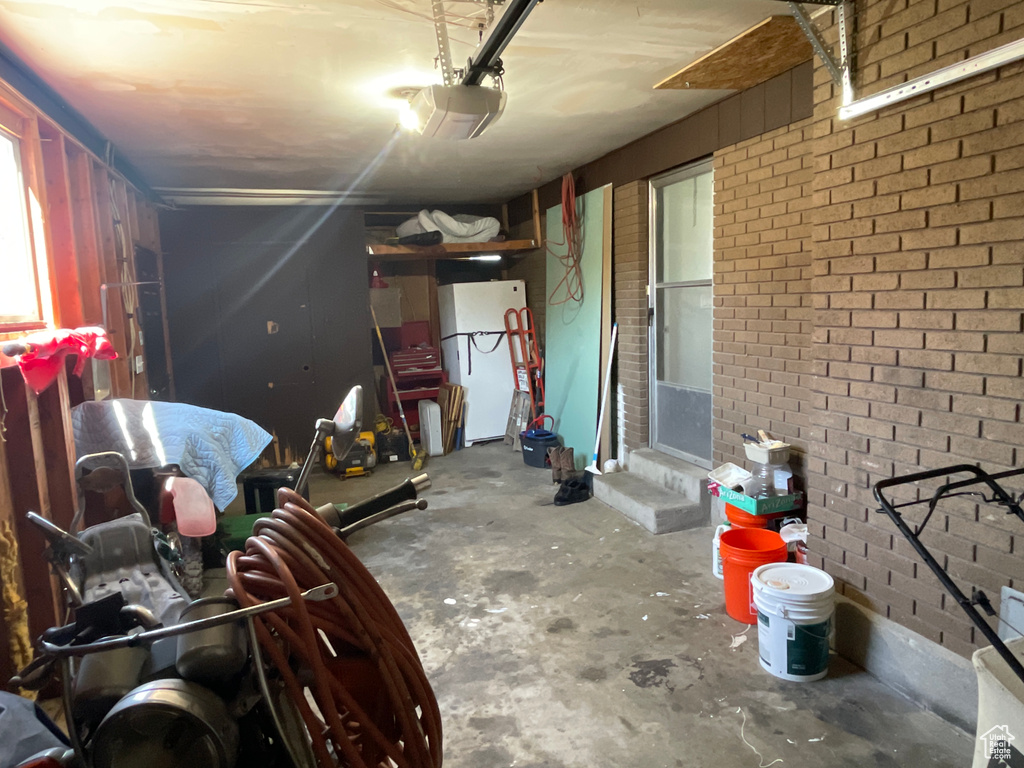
x,y
716,550
776,453
1000,705
535,446
769,480
430,428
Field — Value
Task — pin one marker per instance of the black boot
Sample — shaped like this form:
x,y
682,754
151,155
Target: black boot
x,y
571,491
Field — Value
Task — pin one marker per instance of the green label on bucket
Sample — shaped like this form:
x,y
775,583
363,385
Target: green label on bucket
x,y
807,648
763,633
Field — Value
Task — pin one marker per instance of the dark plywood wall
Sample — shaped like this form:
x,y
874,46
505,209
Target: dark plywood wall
x,y
268,310
784,99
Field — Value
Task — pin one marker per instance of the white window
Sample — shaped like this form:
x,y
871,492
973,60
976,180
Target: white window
x,y
20,301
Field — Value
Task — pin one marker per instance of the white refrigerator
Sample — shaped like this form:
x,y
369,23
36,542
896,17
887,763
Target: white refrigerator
x,y
475,350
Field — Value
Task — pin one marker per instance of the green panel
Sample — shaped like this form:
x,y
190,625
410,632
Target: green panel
x,y
572,343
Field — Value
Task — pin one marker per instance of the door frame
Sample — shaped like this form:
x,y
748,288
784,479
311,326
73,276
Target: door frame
x,y
655,183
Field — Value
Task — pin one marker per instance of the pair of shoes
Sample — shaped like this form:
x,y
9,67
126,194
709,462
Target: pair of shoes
x,y
568,462
563,463
571,491
555,461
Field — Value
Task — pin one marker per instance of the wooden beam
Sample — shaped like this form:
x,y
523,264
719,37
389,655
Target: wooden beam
x,y
435,312
12,654
58,450
132,215
32,169
63,254
447,250
767,49
87,246
154,225
123,200
538,230
27,472
120,376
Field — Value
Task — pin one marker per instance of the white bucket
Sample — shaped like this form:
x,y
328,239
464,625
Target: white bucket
x,y
716,551
794,604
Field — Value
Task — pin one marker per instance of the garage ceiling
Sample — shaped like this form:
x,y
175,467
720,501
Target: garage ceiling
x,y
279,94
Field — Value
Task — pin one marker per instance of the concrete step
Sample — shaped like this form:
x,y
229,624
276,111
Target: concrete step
x,y
657,509
669,472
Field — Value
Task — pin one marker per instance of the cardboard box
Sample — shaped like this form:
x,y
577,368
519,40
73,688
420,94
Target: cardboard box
x,y
387,306
752,506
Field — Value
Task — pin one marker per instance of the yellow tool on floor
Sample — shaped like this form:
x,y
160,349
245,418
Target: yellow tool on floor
x,y
359,461
418,459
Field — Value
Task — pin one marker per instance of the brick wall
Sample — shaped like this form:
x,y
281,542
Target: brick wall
x,y
919,308
763,313
630,277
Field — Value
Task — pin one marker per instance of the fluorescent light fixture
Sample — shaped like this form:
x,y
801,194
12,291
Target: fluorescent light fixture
x,y
486,257
239,196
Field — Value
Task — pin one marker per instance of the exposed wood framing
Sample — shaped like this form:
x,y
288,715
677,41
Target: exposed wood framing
x,y
538,230
125,234
120,376
32,169
27,472
435,312
87,247
63,256
79,248
58,450
10,658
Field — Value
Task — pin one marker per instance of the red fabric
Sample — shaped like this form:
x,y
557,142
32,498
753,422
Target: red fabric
x,y
41,364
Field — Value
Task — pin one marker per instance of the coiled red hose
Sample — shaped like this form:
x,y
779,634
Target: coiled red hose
x,y
375,704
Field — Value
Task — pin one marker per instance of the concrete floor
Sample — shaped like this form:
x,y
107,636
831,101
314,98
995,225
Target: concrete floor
x,y
567,636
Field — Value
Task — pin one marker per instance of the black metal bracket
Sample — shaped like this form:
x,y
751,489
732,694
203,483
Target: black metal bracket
x,y
998,495
489,52
978,597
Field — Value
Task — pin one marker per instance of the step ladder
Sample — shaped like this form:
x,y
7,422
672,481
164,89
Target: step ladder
x,y
518,419
527,364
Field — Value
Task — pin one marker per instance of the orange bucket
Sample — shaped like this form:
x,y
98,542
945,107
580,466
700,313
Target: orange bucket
x,y
743,550
740,519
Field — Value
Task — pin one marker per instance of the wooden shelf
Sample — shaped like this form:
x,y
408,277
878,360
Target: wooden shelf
x,y
765,50
447,250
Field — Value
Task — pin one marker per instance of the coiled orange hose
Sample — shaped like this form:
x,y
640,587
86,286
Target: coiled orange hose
x,y
571,284
376,706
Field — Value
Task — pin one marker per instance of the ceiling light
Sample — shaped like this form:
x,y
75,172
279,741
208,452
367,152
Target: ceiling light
x,y
388,91
408,119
